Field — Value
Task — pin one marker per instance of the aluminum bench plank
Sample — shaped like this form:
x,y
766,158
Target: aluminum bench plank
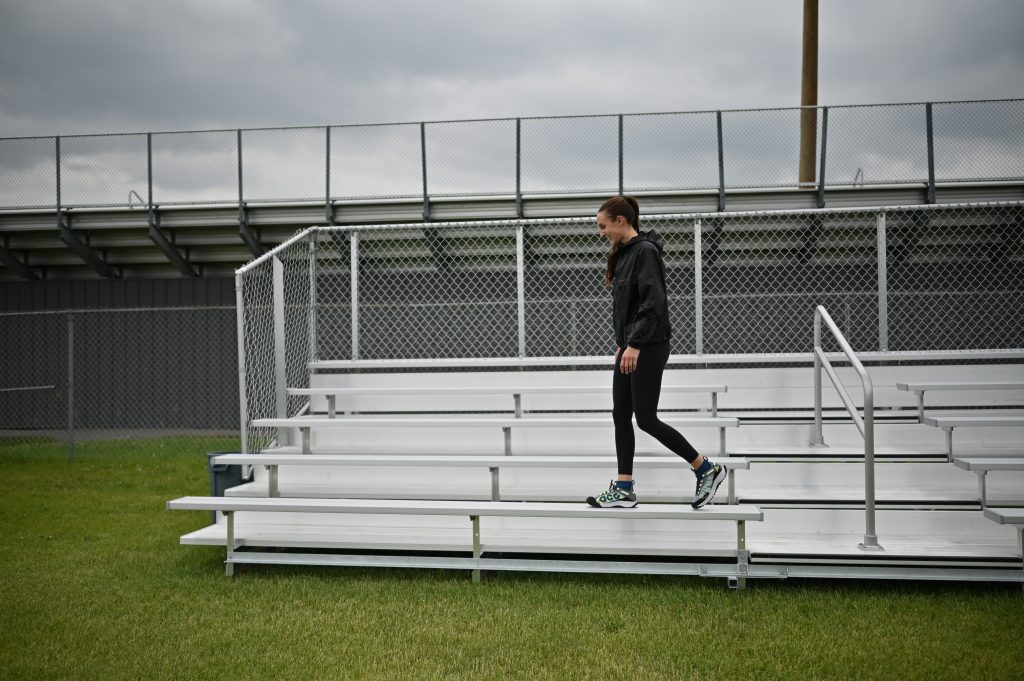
x,y
481,422
538,538
967,421
991,385
461,461
1006,516
975,464
490,390
462,508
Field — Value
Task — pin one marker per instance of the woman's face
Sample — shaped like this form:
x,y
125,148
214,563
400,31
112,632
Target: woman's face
x,y
615,230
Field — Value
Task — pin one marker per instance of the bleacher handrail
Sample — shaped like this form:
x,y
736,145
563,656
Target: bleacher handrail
x,y
865,424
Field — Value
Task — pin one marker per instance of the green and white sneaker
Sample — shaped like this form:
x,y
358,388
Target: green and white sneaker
x,y
614,497
708,483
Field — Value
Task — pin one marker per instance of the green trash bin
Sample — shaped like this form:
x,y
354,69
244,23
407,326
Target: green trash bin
x,y
222,476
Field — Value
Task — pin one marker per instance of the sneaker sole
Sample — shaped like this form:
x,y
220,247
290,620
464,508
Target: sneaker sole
x,y
618,504
714,488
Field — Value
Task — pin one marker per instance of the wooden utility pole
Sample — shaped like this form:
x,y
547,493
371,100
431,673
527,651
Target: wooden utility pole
x,y
809,94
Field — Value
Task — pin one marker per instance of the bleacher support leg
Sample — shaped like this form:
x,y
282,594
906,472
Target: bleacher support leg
x,y
949,444
272,488
229,567
519,405
508,441
495,490
742,555
981,489
332,409
306,448
476,545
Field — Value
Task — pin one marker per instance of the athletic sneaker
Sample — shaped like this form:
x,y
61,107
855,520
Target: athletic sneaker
x,y
614,497
708,483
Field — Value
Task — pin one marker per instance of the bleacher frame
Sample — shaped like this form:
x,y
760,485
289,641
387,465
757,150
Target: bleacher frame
x,y
284,380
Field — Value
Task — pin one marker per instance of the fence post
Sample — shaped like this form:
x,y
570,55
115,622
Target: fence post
x,y
521,288
621,184
280,359
519,171
314,349
56,146
824,145
721,164
883,284
354,267
930,197
698,289
328,208
71,387
243,402
423,158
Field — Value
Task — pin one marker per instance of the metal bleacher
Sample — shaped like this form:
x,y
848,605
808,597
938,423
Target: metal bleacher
x,y
371,441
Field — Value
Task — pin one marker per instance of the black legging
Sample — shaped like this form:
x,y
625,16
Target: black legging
x,y
638,393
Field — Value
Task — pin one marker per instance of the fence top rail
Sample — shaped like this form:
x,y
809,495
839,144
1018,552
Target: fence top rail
x,y
523,118
511,222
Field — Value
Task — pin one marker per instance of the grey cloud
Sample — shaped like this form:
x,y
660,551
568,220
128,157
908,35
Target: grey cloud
x,y
105,65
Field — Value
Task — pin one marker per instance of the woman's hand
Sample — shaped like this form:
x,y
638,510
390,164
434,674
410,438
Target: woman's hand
x,y
629,358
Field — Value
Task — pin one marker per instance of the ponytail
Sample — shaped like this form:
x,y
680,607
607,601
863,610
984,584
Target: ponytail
x,y
627,208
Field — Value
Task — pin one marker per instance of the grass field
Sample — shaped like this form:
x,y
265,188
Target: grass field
x,y
94,585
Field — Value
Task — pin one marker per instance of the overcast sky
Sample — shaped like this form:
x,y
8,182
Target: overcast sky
x,y
83,66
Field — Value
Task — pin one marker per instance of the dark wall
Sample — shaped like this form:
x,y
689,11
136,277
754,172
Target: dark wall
x,y
26,296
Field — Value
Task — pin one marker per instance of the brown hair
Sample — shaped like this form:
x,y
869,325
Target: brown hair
x,y
627,208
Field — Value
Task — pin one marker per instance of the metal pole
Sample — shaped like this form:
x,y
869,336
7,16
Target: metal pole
x,y
354,236
241,210
521,288
328,208
423,158
930,198
824,144
519,170
56,141
280,359
870,536
698,289
314,351
883,285
817,440
149,169
243,406
71,387
721,164
621,184
809,93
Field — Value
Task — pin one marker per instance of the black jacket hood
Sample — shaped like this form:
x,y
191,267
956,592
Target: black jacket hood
x,y
651,236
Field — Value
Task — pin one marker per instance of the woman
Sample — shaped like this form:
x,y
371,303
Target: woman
x,y
642,333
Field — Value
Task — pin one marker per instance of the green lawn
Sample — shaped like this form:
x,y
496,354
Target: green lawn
x,y
94,585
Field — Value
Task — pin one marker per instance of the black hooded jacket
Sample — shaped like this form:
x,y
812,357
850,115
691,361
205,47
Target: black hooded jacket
x,y
639,299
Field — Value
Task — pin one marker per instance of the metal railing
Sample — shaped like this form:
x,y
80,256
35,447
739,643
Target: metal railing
x,y
917,144
865,424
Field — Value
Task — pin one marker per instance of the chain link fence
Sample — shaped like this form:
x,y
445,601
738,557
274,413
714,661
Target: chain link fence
x,y
759,148
918,279
164,377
